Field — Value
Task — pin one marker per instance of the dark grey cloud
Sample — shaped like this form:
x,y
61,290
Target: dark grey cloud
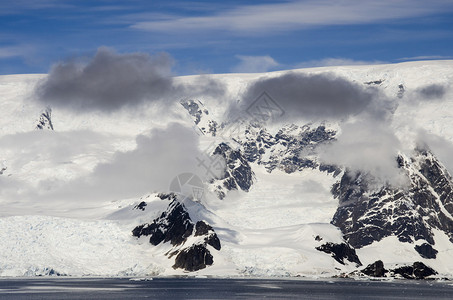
x,y
313,96
432,91
110,81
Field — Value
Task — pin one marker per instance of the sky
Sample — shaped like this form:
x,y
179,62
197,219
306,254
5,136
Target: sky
x,y
225,36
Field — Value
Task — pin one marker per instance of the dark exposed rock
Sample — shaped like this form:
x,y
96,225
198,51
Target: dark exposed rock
x,y
196,110
375,269
401,91
375,82
141,205
50,272
45,120
330,169
340,252
421,271
291,149
221,194
417,271
173,225
286,148
426,251
193,108
238,173
194,258
165,196
211,128
405,271
201,228
367,214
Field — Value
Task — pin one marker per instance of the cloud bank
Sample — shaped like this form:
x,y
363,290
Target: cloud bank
x,y
111,81
53,166
157,159
366,146
311,96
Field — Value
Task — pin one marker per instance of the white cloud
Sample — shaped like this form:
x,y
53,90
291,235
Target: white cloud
x,y
8,52
366,146
266,18
19,6
254,64
57,167
158,158
425,57
330,62
440,146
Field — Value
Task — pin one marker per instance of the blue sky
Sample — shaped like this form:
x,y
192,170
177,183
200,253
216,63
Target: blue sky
x,y
231,36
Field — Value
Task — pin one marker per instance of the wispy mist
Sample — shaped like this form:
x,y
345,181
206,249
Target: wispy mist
x,y
60,168
432,91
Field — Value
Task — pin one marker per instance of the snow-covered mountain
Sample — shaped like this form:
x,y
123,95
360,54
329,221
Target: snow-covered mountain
x,y
336,171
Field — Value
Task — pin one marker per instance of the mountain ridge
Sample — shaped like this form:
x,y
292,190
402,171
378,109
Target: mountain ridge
x,y
270,208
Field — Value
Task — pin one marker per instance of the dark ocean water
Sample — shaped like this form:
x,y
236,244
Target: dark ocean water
x,y
197,288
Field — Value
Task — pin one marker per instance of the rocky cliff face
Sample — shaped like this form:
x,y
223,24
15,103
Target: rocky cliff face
x,y
417,270
175,226
291,149
410,213
366,212
341,252
200,116
237,175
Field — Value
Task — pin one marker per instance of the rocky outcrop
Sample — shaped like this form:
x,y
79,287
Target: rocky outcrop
x,y
210,237
291,149
200,116
45,120
193,258
426,251
367,214
401,91
175,226
375,82
417,271
237,174
193,108
375,269
340,252
141,206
